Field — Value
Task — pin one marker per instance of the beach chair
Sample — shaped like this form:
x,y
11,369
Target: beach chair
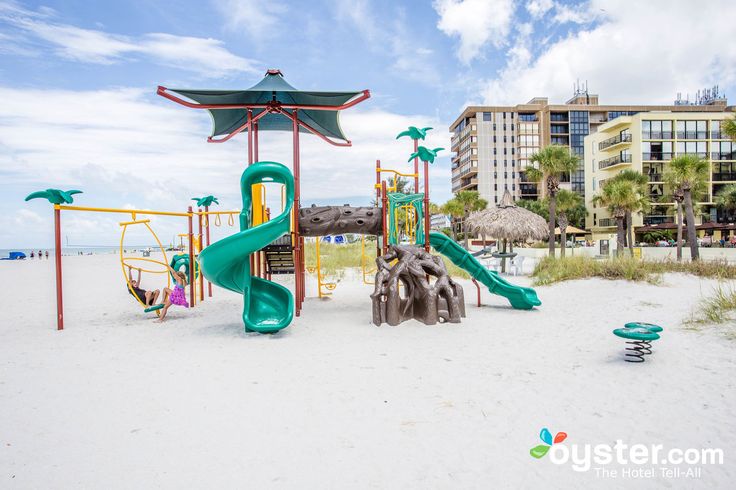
x,y
492,264
517,265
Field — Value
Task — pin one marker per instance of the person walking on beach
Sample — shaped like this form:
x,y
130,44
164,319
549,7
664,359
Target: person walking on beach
x,y
40,255
147,297
47,255
177,296
32,254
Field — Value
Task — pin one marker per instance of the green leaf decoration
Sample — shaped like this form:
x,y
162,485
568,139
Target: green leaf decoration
x,y
539,451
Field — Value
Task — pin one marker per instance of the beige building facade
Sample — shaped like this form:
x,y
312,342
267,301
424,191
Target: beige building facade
x,y
646,142
492,145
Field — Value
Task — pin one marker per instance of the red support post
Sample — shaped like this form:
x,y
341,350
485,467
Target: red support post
x,y
255,141
192,271
478,288
298,241
191,259
207,210
426,206
384,212
416,168
378,201
57,256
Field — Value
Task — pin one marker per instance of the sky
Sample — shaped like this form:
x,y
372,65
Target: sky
x,y
79,109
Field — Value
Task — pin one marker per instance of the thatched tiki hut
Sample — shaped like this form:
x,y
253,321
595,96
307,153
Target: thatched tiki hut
x,y
508,223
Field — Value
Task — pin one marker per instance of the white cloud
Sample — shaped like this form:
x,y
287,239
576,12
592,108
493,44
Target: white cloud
x,y
537,8
204,56
255,17
127,147
627,57
476,22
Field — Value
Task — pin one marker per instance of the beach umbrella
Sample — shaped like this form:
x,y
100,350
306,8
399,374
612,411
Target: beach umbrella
x,y
508,222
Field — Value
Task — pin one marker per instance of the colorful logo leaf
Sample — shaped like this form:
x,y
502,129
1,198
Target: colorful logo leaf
x,y
546,436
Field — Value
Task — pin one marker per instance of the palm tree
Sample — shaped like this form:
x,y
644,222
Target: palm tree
x,y
728,127
464,203
617,197
688,174
400,184
551,163
567,202
726,197
453,208
639,181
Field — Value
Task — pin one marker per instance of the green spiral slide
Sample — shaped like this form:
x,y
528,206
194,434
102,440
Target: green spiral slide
x,y
520,298
267,307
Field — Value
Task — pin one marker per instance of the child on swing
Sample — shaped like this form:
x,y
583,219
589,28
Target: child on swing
x,y
177,296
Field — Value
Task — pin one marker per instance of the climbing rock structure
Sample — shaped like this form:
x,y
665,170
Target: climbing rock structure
x,y
336,220
429,301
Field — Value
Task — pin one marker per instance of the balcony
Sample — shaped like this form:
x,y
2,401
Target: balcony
x,y
465,184
613,161
656,156
528,190
723,156
717,135
692,135
656,135
607,222
658,219
621,139
724,177
655,177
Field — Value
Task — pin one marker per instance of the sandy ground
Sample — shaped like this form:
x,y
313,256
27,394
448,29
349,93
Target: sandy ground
x,y
117,401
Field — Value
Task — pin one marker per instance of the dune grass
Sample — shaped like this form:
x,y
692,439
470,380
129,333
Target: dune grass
x,y
551,270
716,309
336,258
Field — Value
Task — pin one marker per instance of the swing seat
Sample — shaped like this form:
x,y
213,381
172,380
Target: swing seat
x,y
153,308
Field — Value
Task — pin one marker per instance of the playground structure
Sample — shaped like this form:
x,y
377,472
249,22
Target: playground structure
x,y
264,245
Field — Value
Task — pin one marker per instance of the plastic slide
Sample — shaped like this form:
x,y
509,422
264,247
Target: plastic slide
x,y
267,306
520,298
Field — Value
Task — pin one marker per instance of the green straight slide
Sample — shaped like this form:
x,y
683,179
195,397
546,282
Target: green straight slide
x,y
267,307
520,298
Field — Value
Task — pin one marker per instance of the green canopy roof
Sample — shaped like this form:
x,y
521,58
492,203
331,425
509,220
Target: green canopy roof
x,y
275,98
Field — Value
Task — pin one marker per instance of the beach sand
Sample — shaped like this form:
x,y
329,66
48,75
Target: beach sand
x,y
118,401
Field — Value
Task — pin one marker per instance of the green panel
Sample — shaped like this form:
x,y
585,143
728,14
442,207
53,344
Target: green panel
x,y
396,199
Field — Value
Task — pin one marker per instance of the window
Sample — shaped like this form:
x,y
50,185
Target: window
x,y
529,117
512,136
513,163
504,151
494,138
495,163
512,126
495,187
487,116
504,116
494,126
495,151
504,126
504,138
513,151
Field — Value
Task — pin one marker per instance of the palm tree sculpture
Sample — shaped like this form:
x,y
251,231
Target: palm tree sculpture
x,y
567,202
54,196
206,201
639,181
688,173
464,203
425,154
414,133
551,163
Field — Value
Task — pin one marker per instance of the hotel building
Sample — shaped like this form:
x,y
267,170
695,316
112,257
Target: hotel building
x,y
492,144
646,142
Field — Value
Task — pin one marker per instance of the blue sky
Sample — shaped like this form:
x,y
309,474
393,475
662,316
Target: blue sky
x,y
78,82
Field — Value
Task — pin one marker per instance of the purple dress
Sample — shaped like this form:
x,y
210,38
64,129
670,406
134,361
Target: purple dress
x,y
178,297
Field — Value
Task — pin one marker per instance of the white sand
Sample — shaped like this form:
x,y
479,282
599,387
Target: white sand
x,y
117,401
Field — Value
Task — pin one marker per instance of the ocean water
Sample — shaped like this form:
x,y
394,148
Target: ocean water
x,y
101,250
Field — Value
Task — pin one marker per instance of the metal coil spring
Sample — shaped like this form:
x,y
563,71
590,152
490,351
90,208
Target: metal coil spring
x,y
642,348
